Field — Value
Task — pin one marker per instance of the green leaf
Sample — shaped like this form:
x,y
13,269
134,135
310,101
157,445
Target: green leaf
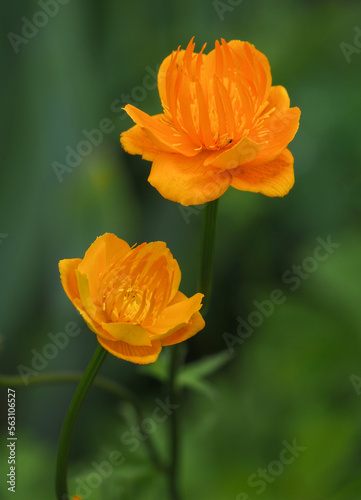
x,y
200,386
192,375
206,366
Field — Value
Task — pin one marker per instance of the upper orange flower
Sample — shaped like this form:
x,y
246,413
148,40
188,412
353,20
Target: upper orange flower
x,y
129,297
223,124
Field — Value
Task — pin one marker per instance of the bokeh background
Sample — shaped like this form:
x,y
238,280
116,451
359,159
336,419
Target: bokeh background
x,y
298,374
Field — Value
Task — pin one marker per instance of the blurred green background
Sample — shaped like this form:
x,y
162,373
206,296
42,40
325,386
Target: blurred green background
x,y
298,375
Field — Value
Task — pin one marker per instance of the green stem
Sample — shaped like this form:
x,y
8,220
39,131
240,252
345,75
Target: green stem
x,y
69,377
103,383
174,430
70,421
205,285
207,252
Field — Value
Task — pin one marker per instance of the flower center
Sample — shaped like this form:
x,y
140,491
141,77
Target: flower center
x,y
123,300
136,289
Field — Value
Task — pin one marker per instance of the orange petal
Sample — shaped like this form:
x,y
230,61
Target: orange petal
x,y
175,272
84,293
158,248
278,130
162,132
67,268
278,98
242,152
142,355
167,75
128,332
187,180
163,74
142,257
102,252
136,141
274,178
98,256
253,64
177,314
97,316
196,324
92,325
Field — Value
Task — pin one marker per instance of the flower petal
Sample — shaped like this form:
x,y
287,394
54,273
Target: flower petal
x,y
165,74
196,324
91,313
242,152
136,141
92,325
274,178
67,268
177,314
253,64
278,130
98,256
128,332
142,355
84,293
157,249
187,180
175,272
161,131
278,98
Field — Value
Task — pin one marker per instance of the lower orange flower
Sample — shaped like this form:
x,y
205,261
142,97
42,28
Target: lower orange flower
x,y
129,297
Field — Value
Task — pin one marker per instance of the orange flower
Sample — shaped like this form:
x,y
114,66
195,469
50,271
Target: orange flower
x,y
223,124
129,297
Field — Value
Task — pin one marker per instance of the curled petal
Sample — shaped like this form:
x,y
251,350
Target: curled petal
x,y
98,256
187,180
84,293
278,131
274,178
136,354
67,268
242,152
161,132
93,325
136,141
177,314
278,98
167,75
127,332
253,65
196,323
